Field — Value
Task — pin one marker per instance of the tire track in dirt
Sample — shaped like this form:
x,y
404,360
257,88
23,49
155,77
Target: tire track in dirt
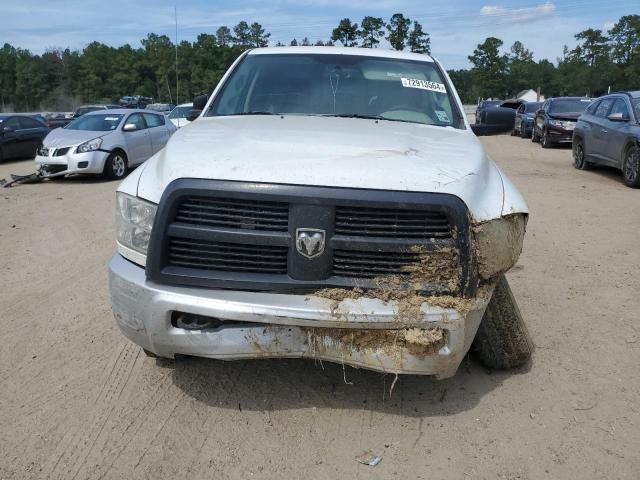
x,y
77,449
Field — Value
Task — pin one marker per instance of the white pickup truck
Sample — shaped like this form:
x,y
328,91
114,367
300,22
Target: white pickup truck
x,y
327,203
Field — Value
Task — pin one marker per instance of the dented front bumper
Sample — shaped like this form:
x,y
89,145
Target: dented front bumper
x,y
282,325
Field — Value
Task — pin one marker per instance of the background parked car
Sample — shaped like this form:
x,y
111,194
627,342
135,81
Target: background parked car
x,y
483,106
57,119
92,108
525,115
555,121
178,115
135,101
165,108
497,119
608,133
20,136
104,143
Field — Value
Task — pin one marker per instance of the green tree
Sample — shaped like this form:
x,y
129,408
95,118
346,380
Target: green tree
x,y
7,75
419,41
346,33
398,31
257,35
625,39
223,36
489,68
242,34
371,31
594,46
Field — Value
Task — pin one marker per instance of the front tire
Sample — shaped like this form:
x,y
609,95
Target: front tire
x,y
631,167
534,136
523,132
115,167
502,340
546,141
579,157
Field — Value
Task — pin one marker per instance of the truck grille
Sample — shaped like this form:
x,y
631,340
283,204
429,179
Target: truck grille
x,y
228,257
233,213
391,223
249,236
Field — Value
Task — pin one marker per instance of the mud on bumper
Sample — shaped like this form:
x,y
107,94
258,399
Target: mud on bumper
x,y
269,325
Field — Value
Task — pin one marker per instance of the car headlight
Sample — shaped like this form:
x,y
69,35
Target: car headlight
x,y
498,244
556,123
89,146
134,220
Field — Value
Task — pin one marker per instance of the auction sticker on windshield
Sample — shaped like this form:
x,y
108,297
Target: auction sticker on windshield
x,y
424,85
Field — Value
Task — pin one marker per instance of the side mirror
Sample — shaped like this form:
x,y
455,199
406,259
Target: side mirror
x,y
193,114
6,130
200,102
129,127
618,117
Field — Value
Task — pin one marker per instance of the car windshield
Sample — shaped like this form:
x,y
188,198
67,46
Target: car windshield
x,y
96,123
180,112
490,103
569,105
532,107
338,85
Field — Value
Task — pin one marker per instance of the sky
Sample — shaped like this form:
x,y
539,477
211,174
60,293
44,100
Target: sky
x,y
456,27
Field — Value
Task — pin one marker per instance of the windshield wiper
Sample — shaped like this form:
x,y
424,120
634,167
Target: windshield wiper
x,y
257,112
366,117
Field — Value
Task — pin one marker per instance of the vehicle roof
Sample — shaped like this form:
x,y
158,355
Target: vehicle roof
x,y
363,52
569,98
121,111
190,104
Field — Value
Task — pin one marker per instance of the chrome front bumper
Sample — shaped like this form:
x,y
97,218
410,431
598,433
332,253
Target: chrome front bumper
x,y
143,312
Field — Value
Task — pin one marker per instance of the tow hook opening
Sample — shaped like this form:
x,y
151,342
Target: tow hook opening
x,y
192,321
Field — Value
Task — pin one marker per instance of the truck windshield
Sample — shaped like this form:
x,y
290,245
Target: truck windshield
x,y
577,105
338,85
96,122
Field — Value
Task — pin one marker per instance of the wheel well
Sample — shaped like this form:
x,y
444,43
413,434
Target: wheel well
x,y
631,142
119,150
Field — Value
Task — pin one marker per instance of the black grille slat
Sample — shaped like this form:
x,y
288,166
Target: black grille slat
x,y
234,213
372,264
229,257
391,223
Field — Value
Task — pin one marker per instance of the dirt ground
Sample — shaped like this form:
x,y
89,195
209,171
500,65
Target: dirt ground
x,y
78,401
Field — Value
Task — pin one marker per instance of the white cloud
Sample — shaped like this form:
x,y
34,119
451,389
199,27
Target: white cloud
x,y
520,15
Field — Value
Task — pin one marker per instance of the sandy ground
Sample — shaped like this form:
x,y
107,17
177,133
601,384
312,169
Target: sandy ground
x,y
78,401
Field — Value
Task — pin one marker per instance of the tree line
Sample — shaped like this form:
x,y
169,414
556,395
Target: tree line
x,y
60,79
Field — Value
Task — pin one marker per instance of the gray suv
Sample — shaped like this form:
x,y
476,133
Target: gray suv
x,y
608,133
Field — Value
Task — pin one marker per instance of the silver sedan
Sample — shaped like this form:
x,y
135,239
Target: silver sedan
x,y
104,142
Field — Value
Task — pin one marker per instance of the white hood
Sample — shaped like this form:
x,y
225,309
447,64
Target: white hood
x,y
63,137
329,151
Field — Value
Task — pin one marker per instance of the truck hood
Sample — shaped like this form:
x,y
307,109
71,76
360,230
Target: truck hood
x,y
63,137
329,151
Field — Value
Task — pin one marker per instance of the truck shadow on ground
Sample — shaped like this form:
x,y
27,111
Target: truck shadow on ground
x,y
275,385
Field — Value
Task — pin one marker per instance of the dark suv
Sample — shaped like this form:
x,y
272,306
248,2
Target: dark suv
x,y
555,121
608,133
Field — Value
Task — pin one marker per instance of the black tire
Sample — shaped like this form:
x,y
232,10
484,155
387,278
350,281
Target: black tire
x,y
579,157
502,340
514,133
545,141
523,132
149,353
534,136
115,167
631,167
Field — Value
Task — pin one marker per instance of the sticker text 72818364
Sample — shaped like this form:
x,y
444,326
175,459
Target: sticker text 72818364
x,y
424,85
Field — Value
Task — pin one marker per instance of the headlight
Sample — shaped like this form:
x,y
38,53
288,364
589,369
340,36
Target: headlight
x,y
556,123
498,244
89,146
134,220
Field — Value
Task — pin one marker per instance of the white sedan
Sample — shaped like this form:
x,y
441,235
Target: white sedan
x,y
104,142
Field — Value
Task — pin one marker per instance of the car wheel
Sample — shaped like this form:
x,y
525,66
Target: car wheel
x,y
534,136
579,158
115,167
546,141
502,340
631,168
514,132
523,132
